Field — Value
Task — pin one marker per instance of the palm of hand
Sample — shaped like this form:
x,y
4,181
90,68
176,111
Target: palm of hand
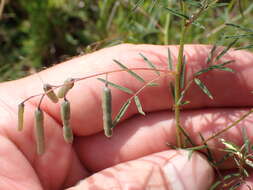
x,y
140,139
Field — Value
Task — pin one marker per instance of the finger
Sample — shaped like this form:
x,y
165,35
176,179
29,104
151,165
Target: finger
x,y
141,136
21,164
172,170
86,95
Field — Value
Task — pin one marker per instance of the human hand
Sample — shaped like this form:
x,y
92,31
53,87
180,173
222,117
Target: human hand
x,y
136,157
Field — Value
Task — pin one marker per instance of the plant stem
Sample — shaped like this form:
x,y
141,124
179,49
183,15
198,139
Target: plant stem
x,y
167,27
177,78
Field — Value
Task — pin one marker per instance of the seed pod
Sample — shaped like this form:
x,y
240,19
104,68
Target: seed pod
x,y
107,111
65,111
39,131
65,116
67,134
50,93
68,84
21,109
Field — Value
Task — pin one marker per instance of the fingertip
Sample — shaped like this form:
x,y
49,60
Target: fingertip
x,y
173,170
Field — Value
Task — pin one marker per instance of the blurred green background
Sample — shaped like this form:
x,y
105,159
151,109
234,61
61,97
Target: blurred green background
x,y
35,34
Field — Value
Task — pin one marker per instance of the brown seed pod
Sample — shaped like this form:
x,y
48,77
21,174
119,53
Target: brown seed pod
x,y
68,134
39,131
107,111
50,93
21,109
68,84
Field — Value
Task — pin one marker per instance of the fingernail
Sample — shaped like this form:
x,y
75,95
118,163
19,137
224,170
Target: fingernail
x,y
185,172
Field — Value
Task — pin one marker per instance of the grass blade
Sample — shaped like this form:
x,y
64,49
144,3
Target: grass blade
x,y
151,65
177,13
245,47
129,71
138,105
121,113
203,87
239,27
122,88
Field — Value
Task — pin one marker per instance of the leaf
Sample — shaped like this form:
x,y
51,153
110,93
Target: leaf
x,y
121,113
130,71
226,69
172,89
217,66
170,62
211,54
239,27
177,13
203,87
152,84
218,5
182,74
138,105
122,88
184,103
230,145
151,65
245,47
245,140
238,36
221,54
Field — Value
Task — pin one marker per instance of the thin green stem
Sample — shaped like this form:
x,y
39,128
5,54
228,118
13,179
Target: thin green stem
x,y
98,74
167,27
177,79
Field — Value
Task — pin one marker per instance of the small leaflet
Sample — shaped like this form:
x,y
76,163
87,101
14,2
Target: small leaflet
x,y
226,49
203,87
138,105
121,113
130,71
151,65
170,62
177,13
182,74
122,88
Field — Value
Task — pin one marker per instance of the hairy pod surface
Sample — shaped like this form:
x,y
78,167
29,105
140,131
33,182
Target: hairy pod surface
x,y
39,131
65,116
50,93
68,134
21,109
65,111
68,84
107,111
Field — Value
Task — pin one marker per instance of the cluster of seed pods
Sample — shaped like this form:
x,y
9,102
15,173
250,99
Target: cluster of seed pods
x,y
65,113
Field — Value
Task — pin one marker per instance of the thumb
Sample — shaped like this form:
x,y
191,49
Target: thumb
x,y
170,170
